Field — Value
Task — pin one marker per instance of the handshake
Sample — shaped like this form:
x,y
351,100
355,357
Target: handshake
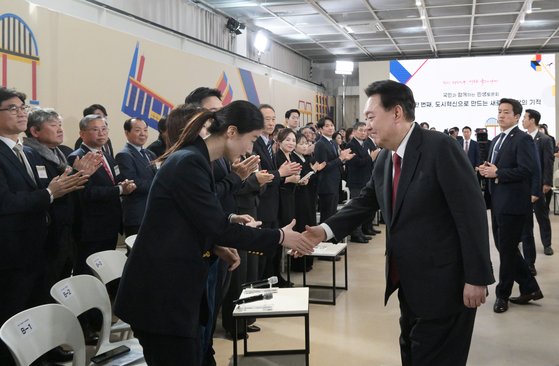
x,y
302,243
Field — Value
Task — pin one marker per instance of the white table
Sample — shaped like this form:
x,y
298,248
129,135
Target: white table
x,y
328,251
286,302
129,241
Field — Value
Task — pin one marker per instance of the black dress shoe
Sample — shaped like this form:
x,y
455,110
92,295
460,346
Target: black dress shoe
x,y
253,328
369,232
524,299
358,239
501,305
367,237
59,355
533,270
548,251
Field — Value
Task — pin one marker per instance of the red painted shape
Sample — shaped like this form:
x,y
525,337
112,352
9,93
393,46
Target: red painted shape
x,y
141,68
34,80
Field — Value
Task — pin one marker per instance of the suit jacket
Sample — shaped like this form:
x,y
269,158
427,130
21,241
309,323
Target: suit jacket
x,y
24,204
158,146
226,184
518,175
107,148
100,210
330,177
165,268
360,168
473,152
370,144
545,150
134,166
269,200
437,234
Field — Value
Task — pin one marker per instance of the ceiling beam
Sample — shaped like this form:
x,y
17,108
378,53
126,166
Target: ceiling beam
x,y
428,29
472,25
373,12
515,27
333,22
549,39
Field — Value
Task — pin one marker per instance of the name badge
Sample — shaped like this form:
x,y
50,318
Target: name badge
x,y
117,170
42,171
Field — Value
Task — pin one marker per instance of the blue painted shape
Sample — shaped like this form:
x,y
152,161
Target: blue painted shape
x,y
399,71
250,88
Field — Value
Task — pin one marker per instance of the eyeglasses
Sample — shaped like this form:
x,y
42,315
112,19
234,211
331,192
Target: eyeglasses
x,y
96,130
13,109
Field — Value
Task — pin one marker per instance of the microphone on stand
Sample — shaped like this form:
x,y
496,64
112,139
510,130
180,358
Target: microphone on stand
x,y
246,300
266,282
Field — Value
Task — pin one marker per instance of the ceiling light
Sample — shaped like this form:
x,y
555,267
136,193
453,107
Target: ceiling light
x,y
422,13
522,18
261,41
348,29
344,67
529,7
417,2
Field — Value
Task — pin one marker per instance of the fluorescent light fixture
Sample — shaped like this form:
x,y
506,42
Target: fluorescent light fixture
x,y
522,18
344,67
417,2
261,41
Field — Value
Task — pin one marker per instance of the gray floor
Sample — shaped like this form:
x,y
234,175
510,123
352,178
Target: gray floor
x,y
359,330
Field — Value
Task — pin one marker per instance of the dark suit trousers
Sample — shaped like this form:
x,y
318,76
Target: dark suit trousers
x,y
528,242
87,248
507,232
131,230
166,350
267,266
541,209
327,205
435,342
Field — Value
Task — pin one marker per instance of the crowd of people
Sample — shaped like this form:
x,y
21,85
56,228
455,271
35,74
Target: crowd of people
x,y
221,194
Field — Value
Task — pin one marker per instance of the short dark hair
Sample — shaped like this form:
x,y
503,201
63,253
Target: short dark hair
x,y
289,112
92,108
535,115
516,106
424,125
265,106
321,122
6,94
128,123
162,124
466,128
199,94
392,94
359,124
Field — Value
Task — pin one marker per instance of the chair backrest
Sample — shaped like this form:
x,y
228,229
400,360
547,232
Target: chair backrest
x,y
107,265
82,293
33,332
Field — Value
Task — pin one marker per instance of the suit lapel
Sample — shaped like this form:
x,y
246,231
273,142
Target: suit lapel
x,y
409,164
12,158
265,152
506,144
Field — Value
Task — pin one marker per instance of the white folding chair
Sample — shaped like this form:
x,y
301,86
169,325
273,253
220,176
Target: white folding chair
x,y
33,332
108,266
130,240
84,292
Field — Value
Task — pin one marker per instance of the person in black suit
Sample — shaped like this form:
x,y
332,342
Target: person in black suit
x,y
159,146
359,170
470,147
369,144
545,157
268,208
26,195
99,110
286,141
135,164
329,178
423,184
100,216
184,219
511,175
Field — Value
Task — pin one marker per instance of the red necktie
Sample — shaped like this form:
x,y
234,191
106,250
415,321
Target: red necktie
x,y
397,163
107,170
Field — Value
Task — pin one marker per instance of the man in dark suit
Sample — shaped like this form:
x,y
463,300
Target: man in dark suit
x,y
470,147
512,191
544,149
269,200
26,195
359,171
135,164
329,178
159,146
100,216
99,110
437,247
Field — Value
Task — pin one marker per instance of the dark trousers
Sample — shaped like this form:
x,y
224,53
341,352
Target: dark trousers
x,y
541,209
327,205
435,342
528,242
60,255
22,288
131,230
166,350
507,233
269,265
87,248
365,226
